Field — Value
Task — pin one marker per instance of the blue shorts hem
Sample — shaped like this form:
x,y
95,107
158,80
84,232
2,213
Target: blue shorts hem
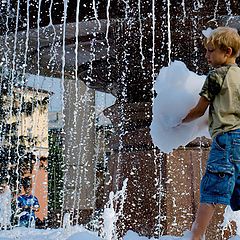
x,y
215,200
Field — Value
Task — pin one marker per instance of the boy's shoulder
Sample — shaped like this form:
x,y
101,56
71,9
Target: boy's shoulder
x,y
222,71
20,197
25,196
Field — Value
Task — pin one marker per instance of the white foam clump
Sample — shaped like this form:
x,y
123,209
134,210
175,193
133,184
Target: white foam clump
x,y
134,236
229,216
71,233
177,91
76,233
208,32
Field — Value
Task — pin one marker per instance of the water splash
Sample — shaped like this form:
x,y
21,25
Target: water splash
x,y
5,208
67,221
113,211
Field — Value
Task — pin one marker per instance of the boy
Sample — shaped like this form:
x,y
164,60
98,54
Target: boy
x,y
27,204
221,92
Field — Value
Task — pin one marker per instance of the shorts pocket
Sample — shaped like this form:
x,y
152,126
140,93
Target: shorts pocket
x,y
220,142
236,150
218,179
218,148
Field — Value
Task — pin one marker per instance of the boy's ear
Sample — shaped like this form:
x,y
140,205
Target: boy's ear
x,y
229,51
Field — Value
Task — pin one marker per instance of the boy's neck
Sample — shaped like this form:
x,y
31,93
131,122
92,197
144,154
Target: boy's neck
x,y
230,61
227,63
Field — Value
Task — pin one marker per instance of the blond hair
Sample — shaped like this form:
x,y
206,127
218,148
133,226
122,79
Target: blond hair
x,y
223,38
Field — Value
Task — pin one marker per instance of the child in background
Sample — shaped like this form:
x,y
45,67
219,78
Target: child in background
x,y
221,93
27,204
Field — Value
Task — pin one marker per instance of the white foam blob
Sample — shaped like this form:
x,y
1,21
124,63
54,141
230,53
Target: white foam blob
x,y
177,91
207,33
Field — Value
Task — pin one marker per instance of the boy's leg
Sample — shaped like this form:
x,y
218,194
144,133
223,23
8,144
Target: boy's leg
x,y
203,218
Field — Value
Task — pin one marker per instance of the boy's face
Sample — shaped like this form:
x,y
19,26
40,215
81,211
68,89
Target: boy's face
x,y
28,190
215,56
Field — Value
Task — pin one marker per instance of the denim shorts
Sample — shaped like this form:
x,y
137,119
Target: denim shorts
x,y
221,182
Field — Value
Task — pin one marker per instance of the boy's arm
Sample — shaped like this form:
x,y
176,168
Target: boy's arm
x,y
197,111
36,205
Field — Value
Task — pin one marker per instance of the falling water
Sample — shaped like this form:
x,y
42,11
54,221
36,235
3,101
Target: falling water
x,y
169,30
53,51
141,33
65,177
107,30
13,75
215,10
96,14
184,10
76,193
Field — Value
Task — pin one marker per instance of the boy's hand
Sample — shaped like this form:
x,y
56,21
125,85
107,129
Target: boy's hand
x,y
180,123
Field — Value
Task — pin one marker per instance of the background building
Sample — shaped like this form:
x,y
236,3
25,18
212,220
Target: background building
x,y
24,137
